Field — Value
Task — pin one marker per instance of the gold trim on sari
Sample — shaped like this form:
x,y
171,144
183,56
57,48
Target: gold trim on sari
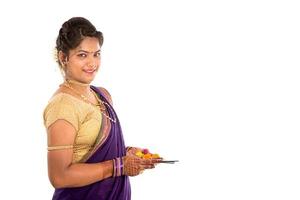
x,y
105,129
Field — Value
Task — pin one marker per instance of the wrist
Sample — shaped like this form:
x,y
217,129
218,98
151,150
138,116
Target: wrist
x,y
110,168
118,167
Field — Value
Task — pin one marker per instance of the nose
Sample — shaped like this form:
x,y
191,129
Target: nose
x,y
93,62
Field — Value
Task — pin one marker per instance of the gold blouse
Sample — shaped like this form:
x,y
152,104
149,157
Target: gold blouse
x,y
85,118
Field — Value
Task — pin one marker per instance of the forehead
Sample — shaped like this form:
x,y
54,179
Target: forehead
x,y
90,44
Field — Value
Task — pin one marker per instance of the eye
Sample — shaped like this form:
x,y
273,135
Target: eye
x,y
98,54
81,55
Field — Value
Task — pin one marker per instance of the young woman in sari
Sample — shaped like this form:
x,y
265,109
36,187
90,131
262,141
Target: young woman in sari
x,y
87,158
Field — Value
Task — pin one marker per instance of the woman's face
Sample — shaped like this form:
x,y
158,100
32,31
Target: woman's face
x,y
84,61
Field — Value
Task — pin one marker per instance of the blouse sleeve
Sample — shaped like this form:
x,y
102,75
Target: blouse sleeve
x,y
61,109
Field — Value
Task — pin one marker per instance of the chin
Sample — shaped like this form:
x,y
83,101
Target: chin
x,y
89,80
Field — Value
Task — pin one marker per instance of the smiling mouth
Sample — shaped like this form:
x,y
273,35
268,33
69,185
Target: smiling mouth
x,y
90,71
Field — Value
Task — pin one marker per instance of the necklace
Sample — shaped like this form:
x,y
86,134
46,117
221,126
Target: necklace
x,y
66,84
76,82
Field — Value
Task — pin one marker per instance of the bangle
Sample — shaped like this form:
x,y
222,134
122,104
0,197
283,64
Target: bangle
x,y
118,167
121,166
114,167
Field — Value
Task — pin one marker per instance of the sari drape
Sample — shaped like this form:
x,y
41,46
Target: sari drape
x,y
113,188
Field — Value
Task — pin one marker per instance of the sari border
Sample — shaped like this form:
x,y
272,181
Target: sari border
x,y
105,130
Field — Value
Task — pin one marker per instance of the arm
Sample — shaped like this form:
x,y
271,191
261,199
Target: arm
x,y
64,173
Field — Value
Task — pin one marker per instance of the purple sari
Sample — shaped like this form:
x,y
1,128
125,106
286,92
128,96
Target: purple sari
x,y
117,188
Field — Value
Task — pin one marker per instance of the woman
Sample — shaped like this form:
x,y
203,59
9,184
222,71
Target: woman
x,y
87,158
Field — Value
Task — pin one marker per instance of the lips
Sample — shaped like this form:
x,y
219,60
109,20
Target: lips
x,y
90,71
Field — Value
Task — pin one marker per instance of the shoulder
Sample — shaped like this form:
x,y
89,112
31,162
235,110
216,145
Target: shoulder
x,y
106,94
62,99
61,106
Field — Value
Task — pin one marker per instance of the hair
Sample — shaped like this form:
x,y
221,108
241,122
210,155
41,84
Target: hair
x,y
72,33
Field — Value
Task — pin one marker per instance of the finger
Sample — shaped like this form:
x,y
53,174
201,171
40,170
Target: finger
x,y
149,166
157,159
150,161
146,161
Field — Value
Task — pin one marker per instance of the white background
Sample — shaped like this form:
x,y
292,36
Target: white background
x,y
214,84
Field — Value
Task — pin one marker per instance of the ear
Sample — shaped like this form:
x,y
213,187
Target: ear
x,y
62,57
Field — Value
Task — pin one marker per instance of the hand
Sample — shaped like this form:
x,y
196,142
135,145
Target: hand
x,y
133,165
133,150
150,163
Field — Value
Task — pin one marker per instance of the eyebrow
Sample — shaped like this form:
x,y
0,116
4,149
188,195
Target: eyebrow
x,y
88,51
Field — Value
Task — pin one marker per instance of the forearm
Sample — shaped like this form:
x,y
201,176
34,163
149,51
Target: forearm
x,y
81,174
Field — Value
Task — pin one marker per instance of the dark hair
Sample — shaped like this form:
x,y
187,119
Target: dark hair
x,y
73,32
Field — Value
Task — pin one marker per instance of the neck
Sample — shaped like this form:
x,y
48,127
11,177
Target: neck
x,y
74,82
80,87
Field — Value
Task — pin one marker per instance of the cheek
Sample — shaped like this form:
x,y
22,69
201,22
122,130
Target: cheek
x,y
98,63
74,67
78,64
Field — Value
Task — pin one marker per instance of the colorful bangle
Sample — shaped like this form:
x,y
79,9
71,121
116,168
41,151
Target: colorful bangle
x,y
121,167
118,167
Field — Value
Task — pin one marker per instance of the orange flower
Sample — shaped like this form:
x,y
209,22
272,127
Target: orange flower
x,y
147,156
